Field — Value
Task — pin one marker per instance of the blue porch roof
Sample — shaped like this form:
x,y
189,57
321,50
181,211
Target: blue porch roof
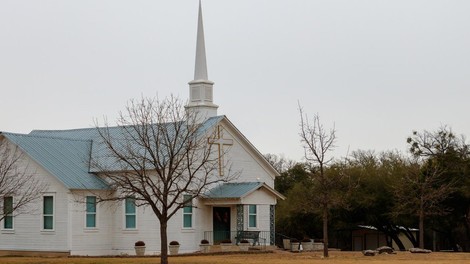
x,y
237,190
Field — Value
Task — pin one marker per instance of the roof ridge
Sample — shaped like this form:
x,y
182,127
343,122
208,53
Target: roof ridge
x,y
93,128
60,130
49,137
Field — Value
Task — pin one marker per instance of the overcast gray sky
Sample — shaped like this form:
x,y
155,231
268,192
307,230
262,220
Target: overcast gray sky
x,y
376,69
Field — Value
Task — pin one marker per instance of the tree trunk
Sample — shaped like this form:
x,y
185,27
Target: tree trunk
x,y
164,242
421,228
325,232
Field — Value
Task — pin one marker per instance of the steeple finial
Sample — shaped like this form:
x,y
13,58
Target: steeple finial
x,y
200,71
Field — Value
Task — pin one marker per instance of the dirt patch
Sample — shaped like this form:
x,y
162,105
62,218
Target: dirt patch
x,y
278,257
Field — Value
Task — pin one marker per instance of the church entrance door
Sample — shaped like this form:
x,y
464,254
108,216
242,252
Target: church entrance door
x,y
221,223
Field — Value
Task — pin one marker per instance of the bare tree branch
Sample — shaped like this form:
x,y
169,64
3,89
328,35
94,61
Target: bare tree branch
x,y
156,154
17,180
317,142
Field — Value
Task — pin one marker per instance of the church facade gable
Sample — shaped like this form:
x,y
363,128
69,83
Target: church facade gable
x,y
244,158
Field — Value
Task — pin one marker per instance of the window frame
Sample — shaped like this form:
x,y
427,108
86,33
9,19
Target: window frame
x,y
188,202
129,214
87,213
43,215
10,215
250,215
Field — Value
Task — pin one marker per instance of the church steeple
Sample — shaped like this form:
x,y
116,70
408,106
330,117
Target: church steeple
x,y
201,89
200,70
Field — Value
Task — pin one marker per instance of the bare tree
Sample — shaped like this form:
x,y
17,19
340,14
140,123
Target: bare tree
x,y
317,142
433,144
19,185
279,162
157,154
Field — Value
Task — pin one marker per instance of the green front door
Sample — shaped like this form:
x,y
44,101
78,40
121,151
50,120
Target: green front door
x,y
221,223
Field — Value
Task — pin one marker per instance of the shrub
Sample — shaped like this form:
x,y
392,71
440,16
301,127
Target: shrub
x,y
174,243
294,240
306,239
139,243
204,242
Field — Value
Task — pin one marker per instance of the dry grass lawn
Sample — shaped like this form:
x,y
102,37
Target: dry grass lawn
x,y
279,257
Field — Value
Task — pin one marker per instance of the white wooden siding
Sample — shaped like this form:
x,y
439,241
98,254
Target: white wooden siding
x,y
90,241
28,234
110,237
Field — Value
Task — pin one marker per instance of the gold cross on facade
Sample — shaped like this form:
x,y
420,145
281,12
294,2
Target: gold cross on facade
x,y
220,141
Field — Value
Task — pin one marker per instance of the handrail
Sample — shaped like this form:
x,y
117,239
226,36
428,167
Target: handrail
x,y
218,236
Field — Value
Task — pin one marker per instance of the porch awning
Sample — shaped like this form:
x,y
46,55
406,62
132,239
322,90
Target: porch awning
x,y
235,192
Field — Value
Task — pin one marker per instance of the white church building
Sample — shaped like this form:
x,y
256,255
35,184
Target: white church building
x,y
59,223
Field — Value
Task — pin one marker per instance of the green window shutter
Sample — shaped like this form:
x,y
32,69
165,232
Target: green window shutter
x,y
187,211
91,204
48,213
48,207
90,220
130,213
187,221
90,211
130,205
8,222
7,205
130,221
48,222
252,215
252,209
7,211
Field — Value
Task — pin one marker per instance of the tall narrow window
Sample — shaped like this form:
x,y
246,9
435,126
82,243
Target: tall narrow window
x,y
252,215
48,213
130,213
8,212
188,211
91,211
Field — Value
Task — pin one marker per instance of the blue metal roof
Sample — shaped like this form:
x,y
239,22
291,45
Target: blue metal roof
x,y
66,159
101,156
233,190
66,153
238,190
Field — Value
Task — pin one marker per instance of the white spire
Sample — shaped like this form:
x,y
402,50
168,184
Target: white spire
x,y
200,71
201,89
